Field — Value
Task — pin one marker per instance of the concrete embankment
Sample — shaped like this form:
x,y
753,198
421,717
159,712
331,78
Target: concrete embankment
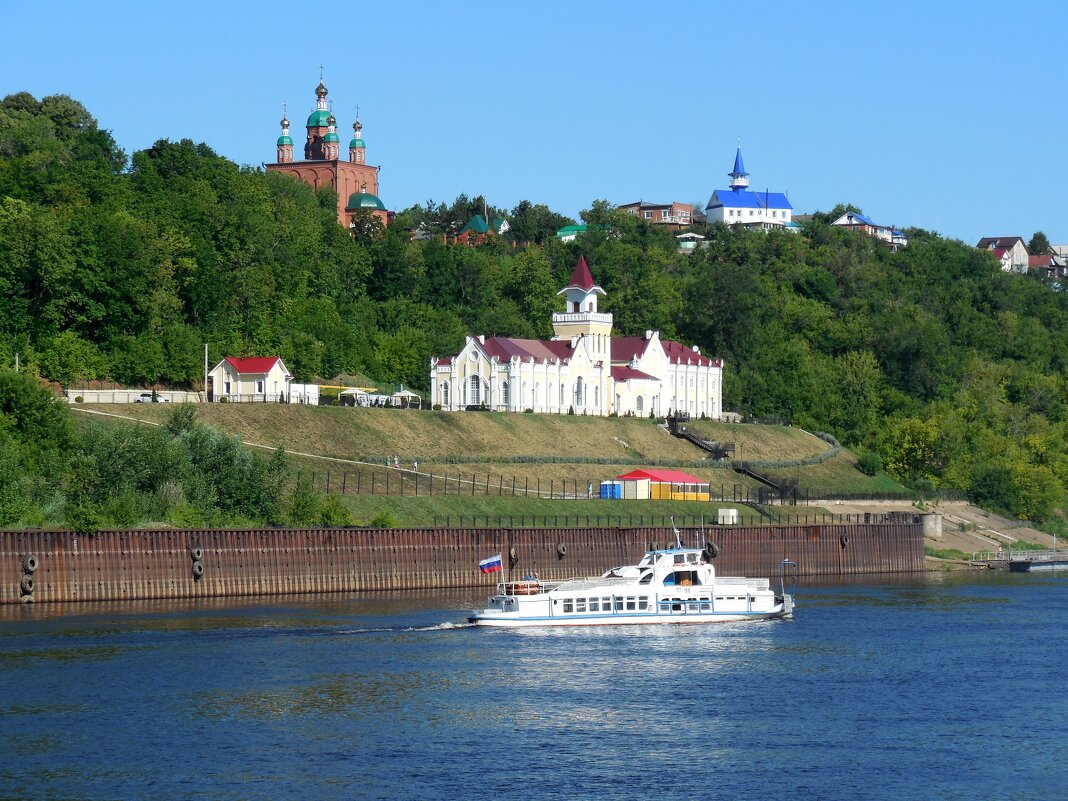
x,y
64,566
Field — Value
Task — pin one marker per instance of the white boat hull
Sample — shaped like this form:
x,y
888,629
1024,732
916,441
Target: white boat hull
x,y
517,620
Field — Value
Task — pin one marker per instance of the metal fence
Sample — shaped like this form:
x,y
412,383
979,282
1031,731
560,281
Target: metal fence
x,y
663,520
403,481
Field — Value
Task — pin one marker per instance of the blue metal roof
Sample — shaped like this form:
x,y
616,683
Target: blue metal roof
x,y
739,168
747,199
853,217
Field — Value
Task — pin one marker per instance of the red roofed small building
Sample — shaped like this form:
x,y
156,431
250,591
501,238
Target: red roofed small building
x,y
583,369
263,379
669,485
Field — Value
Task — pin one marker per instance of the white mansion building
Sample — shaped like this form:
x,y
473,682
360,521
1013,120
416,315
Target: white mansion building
x,y
582,368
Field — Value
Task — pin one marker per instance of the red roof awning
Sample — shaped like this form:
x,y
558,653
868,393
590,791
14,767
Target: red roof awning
x,y
663,476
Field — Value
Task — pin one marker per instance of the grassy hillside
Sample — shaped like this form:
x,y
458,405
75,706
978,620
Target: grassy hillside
x,y
500,448
372,433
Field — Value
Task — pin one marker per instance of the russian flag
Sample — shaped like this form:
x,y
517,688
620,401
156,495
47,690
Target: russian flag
x,y
491,565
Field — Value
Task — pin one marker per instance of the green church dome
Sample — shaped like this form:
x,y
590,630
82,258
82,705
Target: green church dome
x,y
356,143
364,200
331,137
285,140
318,119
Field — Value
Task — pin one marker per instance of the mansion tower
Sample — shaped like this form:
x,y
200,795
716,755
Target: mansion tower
x,y
355,181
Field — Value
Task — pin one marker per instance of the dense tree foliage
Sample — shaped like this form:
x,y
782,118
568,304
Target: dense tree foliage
x,y
940,367
98,475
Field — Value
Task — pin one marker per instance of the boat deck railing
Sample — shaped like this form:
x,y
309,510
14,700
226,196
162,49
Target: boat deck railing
x,y
593,582
741,581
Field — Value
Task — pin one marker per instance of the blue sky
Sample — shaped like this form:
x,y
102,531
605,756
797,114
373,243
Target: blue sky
x,y
945,115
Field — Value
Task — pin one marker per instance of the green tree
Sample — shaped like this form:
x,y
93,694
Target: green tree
x,y
1039,245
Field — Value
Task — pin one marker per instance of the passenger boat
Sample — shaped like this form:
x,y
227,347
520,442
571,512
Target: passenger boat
x,y
673,585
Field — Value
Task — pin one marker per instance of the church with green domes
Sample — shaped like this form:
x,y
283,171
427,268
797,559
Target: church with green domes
x,y
354,180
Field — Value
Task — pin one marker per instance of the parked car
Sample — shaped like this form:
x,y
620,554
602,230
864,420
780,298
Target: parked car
x,y
146,397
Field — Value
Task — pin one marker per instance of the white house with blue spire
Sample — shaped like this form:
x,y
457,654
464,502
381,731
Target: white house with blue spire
x,y
739,205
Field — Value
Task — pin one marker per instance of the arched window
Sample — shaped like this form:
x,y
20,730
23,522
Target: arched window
x,y
578,391
505,393
537,394
597,396
639,404
549,394
561,404
474,398
443,397
522,397
619,404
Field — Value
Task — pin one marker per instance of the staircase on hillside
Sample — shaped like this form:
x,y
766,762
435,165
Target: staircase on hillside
x,y
677,426
771,491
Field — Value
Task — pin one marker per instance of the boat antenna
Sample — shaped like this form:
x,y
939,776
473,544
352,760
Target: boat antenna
x,y
678,538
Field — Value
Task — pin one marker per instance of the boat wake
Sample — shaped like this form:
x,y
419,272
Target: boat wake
x,y
446,626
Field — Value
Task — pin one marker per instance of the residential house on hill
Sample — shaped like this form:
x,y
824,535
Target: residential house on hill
x,y
674,216
855,221
1010,251
1049,267
477,229
259,378
569,232
583,369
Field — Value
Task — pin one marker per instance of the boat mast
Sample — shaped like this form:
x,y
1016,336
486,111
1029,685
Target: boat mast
x,y
678,538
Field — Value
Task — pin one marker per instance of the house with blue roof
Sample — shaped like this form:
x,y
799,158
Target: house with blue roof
x,y
855,221
739,205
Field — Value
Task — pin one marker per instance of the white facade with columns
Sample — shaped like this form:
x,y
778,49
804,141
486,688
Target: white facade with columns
x,y
583,369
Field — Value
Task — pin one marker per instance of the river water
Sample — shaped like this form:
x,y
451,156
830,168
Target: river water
x,y
929,687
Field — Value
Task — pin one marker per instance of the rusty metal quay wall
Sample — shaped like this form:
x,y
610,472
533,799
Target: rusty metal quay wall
x,y
63,566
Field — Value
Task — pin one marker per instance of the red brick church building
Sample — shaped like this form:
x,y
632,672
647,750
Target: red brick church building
x,y
355,181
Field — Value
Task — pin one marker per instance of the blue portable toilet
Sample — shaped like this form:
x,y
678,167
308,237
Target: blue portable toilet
x,y
612,490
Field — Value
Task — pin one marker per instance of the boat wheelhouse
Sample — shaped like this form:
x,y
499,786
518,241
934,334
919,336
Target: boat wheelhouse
x,y
675,585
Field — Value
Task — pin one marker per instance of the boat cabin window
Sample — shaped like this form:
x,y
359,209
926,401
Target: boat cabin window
x,y
683,578
680,558
580,605
594,605
648,577
569,605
